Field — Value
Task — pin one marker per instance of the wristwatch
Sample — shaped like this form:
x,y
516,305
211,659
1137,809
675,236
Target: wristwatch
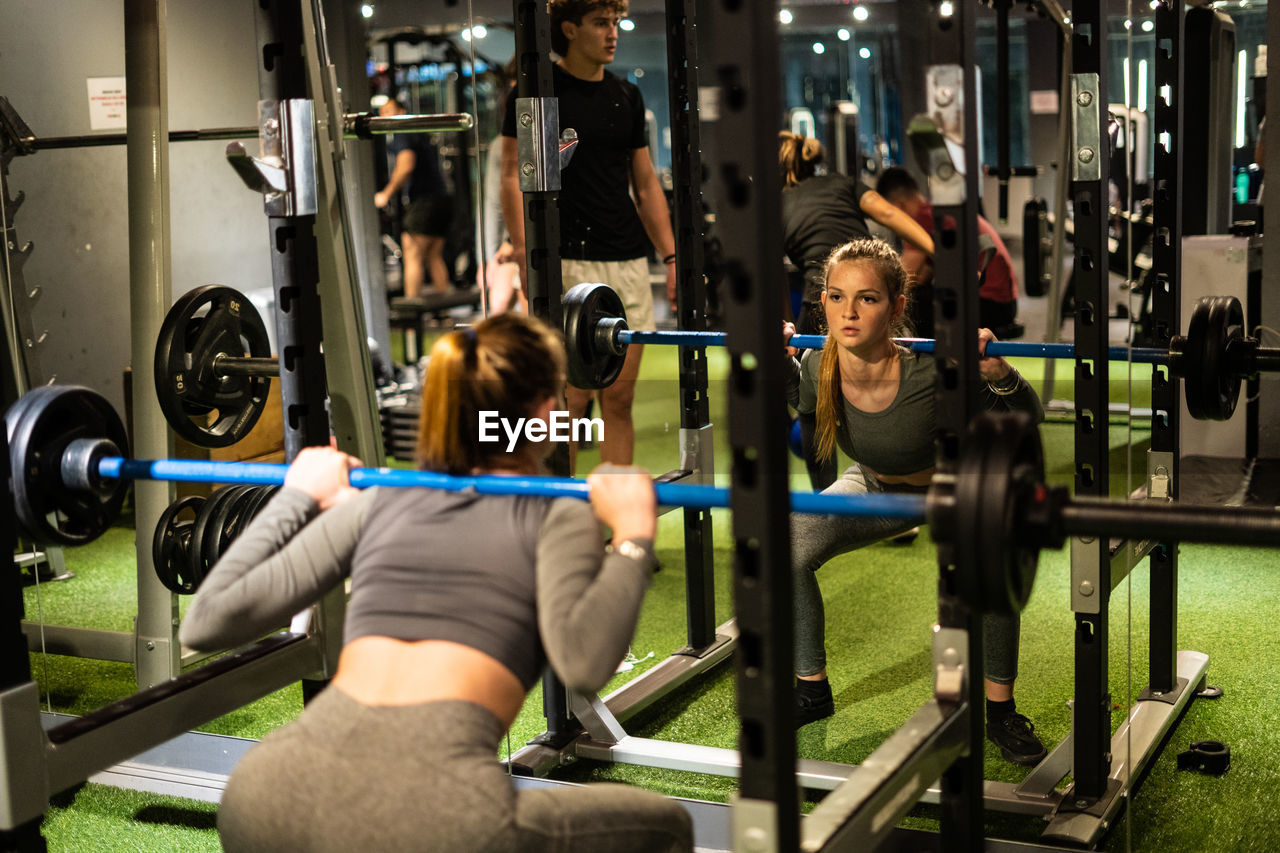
x,y
632,549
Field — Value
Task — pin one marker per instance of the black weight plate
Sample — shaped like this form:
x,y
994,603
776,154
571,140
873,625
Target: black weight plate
x,y
170,545
205,408
261,498
215,538
1033,219
40,426
1002,460
585,305
1211,390
204,530
234,510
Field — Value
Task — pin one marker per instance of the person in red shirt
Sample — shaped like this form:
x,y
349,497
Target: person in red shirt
x,y
998,288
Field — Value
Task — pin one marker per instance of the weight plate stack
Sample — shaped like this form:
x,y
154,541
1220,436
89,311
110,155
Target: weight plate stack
x,y
400,427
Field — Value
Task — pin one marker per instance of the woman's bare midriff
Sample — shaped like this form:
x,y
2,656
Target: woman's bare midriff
x,y
385,671
920,478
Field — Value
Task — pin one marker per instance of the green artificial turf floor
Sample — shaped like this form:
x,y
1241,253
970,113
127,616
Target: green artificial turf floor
x,y
880,602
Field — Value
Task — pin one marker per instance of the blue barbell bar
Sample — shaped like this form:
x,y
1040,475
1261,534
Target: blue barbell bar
x,y
1016,349
668,494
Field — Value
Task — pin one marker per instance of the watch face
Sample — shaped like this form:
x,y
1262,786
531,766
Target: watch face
x,y
627,548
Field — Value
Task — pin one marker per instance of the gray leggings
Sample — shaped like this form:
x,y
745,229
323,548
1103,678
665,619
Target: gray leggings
x,y
815,539
346,776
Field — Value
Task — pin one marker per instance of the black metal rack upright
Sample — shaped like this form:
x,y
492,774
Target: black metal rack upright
x,y
295,265
1166,316
541,208
1091,559
955,210
691,300
747,186
542,253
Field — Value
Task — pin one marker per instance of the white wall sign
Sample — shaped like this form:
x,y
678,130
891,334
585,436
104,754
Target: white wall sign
x,y
106,103
1044,102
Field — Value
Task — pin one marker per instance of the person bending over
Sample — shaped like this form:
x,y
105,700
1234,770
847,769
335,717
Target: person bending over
x,y
820,212
457,602
875,400
998,292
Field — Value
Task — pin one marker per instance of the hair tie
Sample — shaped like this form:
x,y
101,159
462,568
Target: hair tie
x,y
469,344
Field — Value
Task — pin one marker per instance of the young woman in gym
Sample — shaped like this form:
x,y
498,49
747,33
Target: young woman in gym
x,y
820,212
875,401
457,602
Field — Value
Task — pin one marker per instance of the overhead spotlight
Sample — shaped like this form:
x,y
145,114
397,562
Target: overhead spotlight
x,y
842,34
479,31
819,48
945,9
1148,26
864,52
1154,4
627,25
861,13
466,35
1066,19
366,10
1128,24
785,16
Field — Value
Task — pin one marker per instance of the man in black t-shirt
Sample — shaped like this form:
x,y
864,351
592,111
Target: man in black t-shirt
x,y
604,233
428,211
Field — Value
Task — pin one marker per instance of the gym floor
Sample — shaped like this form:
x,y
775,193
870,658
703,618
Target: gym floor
x,y
880,603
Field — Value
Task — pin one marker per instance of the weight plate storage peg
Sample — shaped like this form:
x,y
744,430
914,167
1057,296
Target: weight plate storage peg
x,y
207,407
41,426
593,362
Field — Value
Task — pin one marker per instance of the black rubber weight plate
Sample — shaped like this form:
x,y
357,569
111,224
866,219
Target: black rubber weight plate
x,y
205,408
39,427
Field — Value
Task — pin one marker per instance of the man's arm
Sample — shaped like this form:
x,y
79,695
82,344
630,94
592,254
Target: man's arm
x,y
878,208
513,204
918,265
651,203
405,162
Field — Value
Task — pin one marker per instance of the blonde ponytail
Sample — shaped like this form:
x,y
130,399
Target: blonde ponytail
x,y
798,157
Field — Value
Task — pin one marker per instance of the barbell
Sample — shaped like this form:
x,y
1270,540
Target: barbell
x,y
1212,358
69,478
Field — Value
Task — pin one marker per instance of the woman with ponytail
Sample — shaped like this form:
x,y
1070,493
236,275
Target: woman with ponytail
x,y
874,400
820,212
457,602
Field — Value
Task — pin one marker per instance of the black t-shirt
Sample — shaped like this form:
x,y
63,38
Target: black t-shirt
x,y
426,180
598,219
819,214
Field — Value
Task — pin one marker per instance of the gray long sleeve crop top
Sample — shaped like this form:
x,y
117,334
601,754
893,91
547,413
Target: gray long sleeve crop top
x,y
524,579
898,440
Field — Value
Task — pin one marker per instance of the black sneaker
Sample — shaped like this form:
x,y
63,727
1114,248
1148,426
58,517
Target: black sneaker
x,y
812,707
1016,737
